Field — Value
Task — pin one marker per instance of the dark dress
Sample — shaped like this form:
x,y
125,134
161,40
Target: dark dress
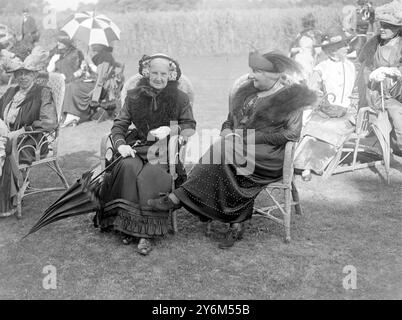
x,y
37,112
77,96
133,181
225,191
69,62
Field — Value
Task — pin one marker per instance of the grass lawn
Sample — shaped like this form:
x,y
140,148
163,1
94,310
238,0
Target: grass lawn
x,y
349,219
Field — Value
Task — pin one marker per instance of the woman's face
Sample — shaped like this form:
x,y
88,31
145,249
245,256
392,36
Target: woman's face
x,y
263,80
24,78
388,31
159,73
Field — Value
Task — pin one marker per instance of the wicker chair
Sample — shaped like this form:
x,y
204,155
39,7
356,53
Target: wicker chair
x,y
176,144
56,83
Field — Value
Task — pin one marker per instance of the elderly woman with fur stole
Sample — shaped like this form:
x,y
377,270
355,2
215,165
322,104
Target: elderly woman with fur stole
x,y
157,108
265,114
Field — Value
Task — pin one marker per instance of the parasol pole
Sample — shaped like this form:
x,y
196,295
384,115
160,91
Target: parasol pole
x,y
114,161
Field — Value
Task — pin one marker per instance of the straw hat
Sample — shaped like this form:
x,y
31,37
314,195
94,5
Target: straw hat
x,y
36,61
390,13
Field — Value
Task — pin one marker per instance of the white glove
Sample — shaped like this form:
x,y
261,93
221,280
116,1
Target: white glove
x,y
381,73
378,74
393,72
126,151
161,132
52,63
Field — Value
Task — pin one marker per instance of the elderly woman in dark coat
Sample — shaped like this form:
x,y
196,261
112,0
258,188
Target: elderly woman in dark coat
x,y
152,106
26,107
268,112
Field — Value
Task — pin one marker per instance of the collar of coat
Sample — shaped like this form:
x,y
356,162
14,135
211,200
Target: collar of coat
x,y
279,105
34,91
368,52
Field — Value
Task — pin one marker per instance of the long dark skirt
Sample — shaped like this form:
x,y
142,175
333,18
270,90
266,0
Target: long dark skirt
x,y
125,193
226,191
9,184
77,98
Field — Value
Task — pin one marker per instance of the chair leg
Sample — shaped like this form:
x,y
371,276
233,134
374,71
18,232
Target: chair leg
x,y
208,228
174,221
286,215
357,144
332,165
60,174
295,196
20,196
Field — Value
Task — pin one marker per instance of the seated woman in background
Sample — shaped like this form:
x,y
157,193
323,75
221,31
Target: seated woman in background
x,y
268,109
329,123
151,106
26,107
65,58
78,92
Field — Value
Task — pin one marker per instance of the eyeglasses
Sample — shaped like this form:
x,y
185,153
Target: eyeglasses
x,y
22,72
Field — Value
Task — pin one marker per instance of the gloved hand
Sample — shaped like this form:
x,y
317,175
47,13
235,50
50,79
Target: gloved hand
x,y
378,74
161,132
381,73
126,151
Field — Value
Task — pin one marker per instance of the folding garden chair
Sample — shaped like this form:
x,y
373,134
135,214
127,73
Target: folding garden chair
x,y
49,139
367,121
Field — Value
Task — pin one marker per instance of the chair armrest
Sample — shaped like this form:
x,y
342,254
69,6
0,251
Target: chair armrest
x,y
18,142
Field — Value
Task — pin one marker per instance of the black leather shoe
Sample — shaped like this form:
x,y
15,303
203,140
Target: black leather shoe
x,y
163,204
234,234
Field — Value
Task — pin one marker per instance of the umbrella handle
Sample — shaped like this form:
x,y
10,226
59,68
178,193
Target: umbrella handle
x,y
382,96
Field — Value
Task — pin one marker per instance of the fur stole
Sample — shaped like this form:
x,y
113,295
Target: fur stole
x,y
151,109
274,109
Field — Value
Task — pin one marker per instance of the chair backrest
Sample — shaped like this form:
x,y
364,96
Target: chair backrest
x,y
184,85
57,85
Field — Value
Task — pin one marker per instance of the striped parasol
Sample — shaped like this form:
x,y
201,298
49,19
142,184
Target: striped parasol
x,y
92,29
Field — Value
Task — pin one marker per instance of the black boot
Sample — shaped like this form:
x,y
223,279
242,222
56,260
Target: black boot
x,y
234,234
163,204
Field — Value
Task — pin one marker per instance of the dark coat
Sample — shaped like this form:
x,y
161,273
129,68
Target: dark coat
x,y
37,111
148,110
275,118
29,29
366,59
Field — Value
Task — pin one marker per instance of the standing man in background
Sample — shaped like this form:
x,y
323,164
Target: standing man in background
x,y
29,30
